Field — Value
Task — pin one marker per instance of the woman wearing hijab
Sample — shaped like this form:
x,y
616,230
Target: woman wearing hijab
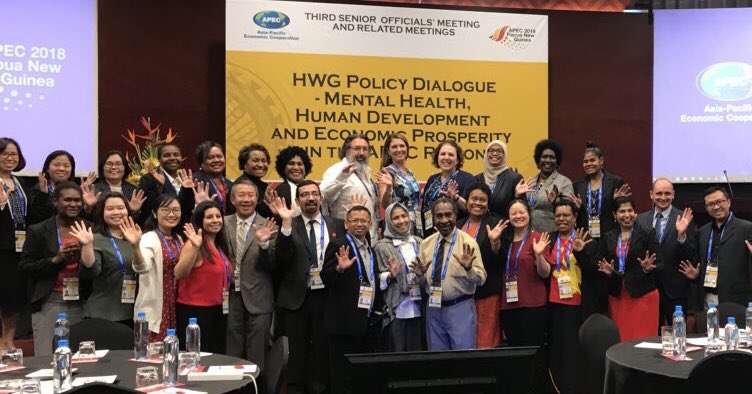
x,y
395,254
501,179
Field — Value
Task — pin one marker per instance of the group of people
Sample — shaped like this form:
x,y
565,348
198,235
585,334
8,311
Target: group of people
x,y
465,262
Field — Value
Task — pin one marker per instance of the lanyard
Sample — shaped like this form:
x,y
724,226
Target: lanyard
x,y
517,255
432,197
172,253
466,228
621,252
570,244
368,190
600,198
18,211
227,266
59,238
710,239
219,194
118,254
402,256
448,255
359,261
414,191
532,196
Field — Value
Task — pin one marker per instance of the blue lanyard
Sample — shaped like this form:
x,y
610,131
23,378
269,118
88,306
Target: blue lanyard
x,y
227,266
558,250
414,191
321,240
172,253
117,254
359,261
219,195
59,238
532,196
710,239
402,256
621,252
18,213
466,228
517,255
368,190
600,198
432,198
448,255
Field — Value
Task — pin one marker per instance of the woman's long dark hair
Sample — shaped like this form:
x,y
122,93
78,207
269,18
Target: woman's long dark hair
x,y
99,225
197,219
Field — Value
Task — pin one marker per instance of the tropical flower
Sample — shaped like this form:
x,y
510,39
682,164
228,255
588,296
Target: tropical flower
x,y
145,157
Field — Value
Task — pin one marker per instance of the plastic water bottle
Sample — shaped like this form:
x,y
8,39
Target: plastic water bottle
x,y
62,328
680,334
714,330
170,362
732,334
193,338
61,367
140,336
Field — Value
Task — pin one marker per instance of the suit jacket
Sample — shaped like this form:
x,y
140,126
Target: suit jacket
x,y
40,207
203,176
342,316
733,262
283,190
636,281
503,192
671,282
256,286
127,189
36,262
7,231
609,183
493,263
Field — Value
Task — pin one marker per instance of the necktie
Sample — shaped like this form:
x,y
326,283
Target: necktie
x,y
312,240
659,226
439,263
240,239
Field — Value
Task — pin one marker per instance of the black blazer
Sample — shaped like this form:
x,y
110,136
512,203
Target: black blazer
x,y
40,207
101,186
36,262
261,206
672,282
492,262
7,231
293,260
283,190
733,262
636,281
609,184
342,315
503,192
464,180
594,286
202,176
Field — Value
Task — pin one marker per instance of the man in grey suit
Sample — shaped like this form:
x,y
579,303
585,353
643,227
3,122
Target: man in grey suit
x,y
301,297
664,218
251,240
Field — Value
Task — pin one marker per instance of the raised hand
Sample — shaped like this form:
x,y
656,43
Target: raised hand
x,y
648,263
689,270
419,268
683,221
581,238
131,231
343,258
90,179
350,168
43,185
185,177
3,194
280,207
394,268
539,246
383,177
270,198
576,200
192,235
494,234
201,192
452,189
622,191
137,200
88,194
467,257
264,232
553,194
606,267
83,234
357,200
153,170
521,188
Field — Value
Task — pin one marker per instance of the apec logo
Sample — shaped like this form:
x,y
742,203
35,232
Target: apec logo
x,y
729,81
271,19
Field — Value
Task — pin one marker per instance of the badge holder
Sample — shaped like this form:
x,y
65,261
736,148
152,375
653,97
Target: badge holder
x,y
236,278
314,279
226,301
128,295
511,291
711,276
565,287
414,292
594,226
70,289
434,301
365,298
20,239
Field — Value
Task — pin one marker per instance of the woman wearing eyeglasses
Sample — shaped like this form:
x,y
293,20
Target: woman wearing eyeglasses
x,y
113,172
502,180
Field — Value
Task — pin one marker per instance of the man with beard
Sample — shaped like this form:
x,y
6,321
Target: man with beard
x,y
453,268
301,297
351,179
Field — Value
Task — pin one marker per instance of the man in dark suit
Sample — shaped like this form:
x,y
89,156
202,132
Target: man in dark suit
x,y
301,297
353,303
251,241
722,254
664,218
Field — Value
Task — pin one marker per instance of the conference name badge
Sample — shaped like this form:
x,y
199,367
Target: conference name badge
x,y
711,276
565,287
225,301
414,292
20,239
428,223
594,225
512,294
236,277
314,279
70,289
434,301
365,298
128,295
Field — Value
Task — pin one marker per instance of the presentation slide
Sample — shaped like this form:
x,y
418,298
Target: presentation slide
x,y
702,103
48,79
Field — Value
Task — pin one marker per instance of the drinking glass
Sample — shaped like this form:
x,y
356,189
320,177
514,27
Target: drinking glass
x,y
30,386
87,349
155,350
146,376
667,340
12,358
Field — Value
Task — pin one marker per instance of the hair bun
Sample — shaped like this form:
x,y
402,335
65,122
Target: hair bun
x,y
590,144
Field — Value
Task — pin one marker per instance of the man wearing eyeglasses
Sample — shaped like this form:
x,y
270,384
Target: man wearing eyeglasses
x,y
723,253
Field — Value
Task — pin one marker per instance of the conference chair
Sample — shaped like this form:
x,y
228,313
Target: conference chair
x,y
276,365
597,334
106,334
721,372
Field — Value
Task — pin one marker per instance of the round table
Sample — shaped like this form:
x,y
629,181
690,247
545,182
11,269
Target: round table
x,y
637,370
117,362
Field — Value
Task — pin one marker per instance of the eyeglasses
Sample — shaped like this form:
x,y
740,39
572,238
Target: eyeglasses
x,y
168,211
309,194
495,151
4,156
716,203
112,165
